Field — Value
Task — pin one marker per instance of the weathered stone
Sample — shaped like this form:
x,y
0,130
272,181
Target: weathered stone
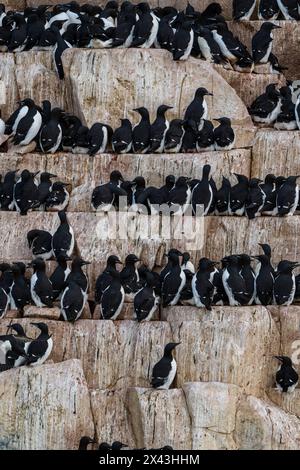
x,y
126,314
111,418
33,311
129,86
285,159
249,85
52,401
212,405
162,410
225,348
289,402
260,426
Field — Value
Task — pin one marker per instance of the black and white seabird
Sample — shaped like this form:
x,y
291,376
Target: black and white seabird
x,y
40,348
222,197
174,136
238,196
164,371
285,284
77,275
122,137
59,276
205,137
50,136
208,46
256,198
4,302
28,126
187,264
58,198
180,196
264,281
288,197
7,191
286,376
45,186
202,194
13,121
129,276
40,243
60,46
105,195
104,278
165,33
98,138
173,281
290,9
72,301
269,190
233,282
146,28
40,286
141,132
197,109
268,10
183,41
63,240
20,291
113,297
224,136
156,197
286,120
202,285
158,129
242,9
145,300
248,275
262,43
26,193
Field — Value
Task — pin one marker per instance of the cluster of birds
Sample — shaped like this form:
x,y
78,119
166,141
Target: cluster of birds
x,y
53,129
235,283
279,108
70,286
275,196
85,441
202,34
267,9
17,349
26,192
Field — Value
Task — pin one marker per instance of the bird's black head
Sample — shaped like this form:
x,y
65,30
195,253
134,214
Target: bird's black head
x,y
131,259
85,441
270,178
272,91
254,182
112,260
143,7
182,181
205,264
143,112
79,262
201,92
5,267
206,171
16,270
162,109
170,180
232,260
126,123
185,257
25,175
43,327
268,26
213,9
266,249
169,347
62,259
27,102
223,120
18,329
117,445
286,266
45,176
22,266
245,259
139,181
104,446
285,360
38,264
116,176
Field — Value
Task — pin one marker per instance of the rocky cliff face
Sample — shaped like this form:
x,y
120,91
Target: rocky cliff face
x,y
97,379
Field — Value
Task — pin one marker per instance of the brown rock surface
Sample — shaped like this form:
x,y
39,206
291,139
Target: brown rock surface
x,y
49,407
